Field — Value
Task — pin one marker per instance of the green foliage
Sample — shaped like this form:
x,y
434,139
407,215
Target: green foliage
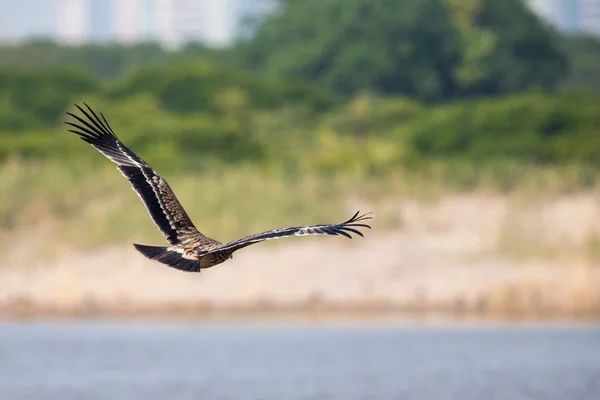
x,y
285,135
105,61
430,50
367,136
368,115
353,45
531,127
584,54
527,54
478,43
32,99
292,156
192,115
197,86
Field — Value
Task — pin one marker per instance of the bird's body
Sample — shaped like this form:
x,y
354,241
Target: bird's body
x,y
189,250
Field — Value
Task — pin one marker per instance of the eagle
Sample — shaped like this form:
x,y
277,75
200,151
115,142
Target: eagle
x,y
190,250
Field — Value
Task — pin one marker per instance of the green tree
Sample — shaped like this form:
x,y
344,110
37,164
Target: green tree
x,y
192,86
584,56
32,99
428,49
527,52
103,60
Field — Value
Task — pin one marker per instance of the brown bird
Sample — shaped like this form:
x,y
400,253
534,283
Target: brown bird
x,y
189,249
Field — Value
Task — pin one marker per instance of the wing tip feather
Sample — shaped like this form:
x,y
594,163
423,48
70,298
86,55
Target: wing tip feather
x,y
350,224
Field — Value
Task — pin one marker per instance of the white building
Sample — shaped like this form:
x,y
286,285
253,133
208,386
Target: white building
x,y
170,22
134,21
23,19
181,21
71,26
213,22
590,16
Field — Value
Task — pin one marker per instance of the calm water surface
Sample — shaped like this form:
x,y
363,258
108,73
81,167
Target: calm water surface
x,y
102,360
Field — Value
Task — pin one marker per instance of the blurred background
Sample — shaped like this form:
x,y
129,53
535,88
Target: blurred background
x,y
470,127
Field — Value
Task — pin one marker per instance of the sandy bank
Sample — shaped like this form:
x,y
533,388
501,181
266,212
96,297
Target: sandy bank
x,y
450,256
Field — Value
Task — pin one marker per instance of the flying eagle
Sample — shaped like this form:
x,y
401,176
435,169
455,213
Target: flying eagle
x,y
189,249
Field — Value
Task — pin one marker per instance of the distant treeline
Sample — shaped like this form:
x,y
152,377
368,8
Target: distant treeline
x,y
33,99
196,115
101,60
429,50
329,86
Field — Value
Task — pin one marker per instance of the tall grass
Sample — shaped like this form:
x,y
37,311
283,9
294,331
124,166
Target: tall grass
x,y
86,203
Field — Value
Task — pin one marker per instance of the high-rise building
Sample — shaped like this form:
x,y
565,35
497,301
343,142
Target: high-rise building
x,y
101,20
220,21
148,18
71,26
127,18
170,22
568,15
590,16
25,19
181,21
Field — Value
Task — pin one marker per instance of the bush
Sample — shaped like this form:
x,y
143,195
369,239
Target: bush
x,y
530,127
33,99
188,87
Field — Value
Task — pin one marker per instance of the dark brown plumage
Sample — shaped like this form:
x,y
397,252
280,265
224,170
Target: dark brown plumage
x,y
190,250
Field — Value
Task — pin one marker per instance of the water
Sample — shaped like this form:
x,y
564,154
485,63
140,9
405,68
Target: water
x,y
103,360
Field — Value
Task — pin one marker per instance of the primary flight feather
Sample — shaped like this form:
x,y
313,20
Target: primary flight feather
x,y
189,249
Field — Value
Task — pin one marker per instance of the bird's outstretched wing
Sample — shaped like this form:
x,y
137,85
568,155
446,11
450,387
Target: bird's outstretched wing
x,y
160,201
345,229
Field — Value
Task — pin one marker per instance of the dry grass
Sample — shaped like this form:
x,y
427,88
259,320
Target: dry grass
x,y
88,203
436,247
84,205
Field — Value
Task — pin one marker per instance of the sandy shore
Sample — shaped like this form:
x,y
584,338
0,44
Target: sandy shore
x,y
448,258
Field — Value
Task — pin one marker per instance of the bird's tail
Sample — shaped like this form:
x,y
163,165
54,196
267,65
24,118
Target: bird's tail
x,y
168,257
